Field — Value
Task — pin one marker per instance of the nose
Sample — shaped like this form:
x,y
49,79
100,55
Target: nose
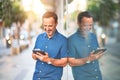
x,y
46,28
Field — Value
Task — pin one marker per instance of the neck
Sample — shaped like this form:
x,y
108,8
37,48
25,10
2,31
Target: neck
x,y
84,34
50,36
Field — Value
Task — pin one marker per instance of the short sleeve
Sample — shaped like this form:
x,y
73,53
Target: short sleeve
x,y
64,49
37,42
71,48
95,40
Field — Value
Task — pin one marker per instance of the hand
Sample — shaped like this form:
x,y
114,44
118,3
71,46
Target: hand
x,y
44,58
96,56
34,56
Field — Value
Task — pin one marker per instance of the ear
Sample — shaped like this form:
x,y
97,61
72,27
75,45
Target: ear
x,y
56,24
78,23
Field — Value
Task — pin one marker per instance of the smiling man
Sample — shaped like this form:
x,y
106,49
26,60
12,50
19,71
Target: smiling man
x,y
84,62
50,66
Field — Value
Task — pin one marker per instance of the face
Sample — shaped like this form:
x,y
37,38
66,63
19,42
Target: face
x,y
86,24
49,25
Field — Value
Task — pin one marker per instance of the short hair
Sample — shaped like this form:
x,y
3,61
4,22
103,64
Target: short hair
x,y
83,14
50,14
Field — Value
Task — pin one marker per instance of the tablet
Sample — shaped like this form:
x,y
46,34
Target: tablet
x,y
38,50
99,50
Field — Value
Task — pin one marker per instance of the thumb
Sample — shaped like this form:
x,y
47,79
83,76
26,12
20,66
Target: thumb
x,y
92,51
46,53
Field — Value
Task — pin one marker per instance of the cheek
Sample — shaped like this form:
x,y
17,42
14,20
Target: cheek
x,y
82,28
52,28
44,28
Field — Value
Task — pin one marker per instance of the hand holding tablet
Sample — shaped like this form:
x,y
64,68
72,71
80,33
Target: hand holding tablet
x,y
99,50
39,51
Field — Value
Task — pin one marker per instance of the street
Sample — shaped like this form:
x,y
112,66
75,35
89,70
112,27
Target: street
x,y
18,67
21,66
110,62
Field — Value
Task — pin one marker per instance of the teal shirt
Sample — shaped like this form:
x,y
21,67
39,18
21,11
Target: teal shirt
x,y
80,47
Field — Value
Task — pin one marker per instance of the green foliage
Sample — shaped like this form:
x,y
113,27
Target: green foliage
x,y
102,10
0,9
11,12
73,16
18,15
6,12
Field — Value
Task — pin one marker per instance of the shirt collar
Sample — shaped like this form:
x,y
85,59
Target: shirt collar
x,y
79,33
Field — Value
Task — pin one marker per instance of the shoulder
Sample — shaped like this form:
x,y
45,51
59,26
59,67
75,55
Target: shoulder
x,y
73,36
61,36
40,35
93,34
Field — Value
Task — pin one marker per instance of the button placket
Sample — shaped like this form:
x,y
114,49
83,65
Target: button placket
x,y
89,46
46,46
40,71
95,69
96,77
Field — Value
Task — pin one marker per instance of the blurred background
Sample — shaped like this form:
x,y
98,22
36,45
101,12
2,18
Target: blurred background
x,y
20,23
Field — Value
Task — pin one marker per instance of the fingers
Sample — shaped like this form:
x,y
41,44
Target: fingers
x,y
39,54
92,51
46,53
41,57
96,56
99,55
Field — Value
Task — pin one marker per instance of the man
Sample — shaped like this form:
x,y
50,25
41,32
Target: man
x,y
81,44
50,66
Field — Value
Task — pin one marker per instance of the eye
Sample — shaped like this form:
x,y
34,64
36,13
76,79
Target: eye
x,y
50,26
44,25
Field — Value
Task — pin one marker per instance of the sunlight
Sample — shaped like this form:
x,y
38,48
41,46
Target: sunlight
x,y
38,7
33,5
79,5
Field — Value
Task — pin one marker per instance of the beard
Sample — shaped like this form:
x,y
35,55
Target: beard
x,y
50,33
85,32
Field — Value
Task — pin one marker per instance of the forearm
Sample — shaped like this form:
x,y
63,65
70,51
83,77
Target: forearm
x,y
77,62
56,62
59,62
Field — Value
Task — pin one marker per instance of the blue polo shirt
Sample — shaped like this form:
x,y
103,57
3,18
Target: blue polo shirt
x,y
56,47
80,47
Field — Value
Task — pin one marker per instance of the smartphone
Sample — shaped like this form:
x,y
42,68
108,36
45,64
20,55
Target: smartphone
x,y
38,50
99,50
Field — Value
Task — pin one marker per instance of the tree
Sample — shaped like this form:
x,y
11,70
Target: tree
x,y
6,12
18,17
118,17
1,9
12,12
18,14
102,10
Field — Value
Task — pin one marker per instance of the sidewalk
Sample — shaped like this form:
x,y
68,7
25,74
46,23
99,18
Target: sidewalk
x,y
110,62
114,49
3,50
19,67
